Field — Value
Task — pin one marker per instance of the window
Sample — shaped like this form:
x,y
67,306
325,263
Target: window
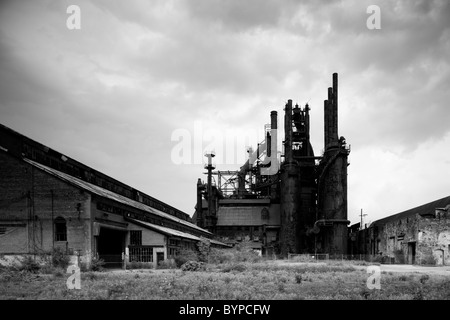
x,y
141,254
60,229
135,237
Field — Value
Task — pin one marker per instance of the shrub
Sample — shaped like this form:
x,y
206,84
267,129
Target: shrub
x,y
403,277
424,278
29,264
58,272
239,267
96,264
59,258
203,247
221,255
167,264
185,255
193,266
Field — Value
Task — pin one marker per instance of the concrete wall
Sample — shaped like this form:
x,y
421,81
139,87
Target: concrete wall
x,y
32,199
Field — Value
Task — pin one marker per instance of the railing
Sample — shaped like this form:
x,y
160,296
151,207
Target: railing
x,y
111,260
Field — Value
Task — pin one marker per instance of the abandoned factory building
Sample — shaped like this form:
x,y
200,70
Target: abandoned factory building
x,y
49,200
291,201
419,235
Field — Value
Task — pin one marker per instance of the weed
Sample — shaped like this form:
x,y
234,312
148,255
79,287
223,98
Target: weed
x,y
239,267
59,258
403,277
96,264
193,266
58,272
167,264
185,255
29,264
424,278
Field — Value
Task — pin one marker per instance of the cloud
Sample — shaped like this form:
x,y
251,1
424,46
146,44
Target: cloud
x,y
112,93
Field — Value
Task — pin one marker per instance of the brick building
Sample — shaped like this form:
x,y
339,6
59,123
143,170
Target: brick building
x,y
419,235
48,200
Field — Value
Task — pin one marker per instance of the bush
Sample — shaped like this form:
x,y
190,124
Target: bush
x,y
167,264
96,264
59,258
221,255
193,266
424,278
185,255
238,267
29,264
204,247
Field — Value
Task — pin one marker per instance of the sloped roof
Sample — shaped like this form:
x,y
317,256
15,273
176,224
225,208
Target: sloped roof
x,y
164,230
426,209
111,195
172,232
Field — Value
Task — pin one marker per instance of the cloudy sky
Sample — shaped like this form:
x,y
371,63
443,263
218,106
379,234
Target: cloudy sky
x,y
141,80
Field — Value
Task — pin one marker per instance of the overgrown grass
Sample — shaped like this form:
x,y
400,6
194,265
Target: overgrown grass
x,y
231,281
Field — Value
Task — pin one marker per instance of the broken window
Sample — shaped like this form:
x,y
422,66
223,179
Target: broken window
x,y
60,229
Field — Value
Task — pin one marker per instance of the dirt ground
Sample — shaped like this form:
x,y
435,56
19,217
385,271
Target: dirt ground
x,y
396,268
400,268
407,268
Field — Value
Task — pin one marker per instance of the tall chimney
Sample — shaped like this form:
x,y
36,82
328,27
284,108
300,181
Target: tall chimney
x,y
288,132
335,107
199,207
326,122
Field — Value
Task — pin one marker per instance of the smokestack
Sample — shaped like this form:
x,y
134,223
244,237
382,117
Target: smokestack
x,y
199,208
273,142
326,123
331,137
273,119
307,120
288,132
335,107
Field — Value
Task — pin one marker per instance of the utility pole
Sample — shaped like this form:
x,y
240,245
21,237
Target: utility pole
x,y
361,215
364,233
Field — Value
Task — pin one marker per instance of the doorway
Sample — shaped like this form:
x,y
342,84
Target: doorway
x,y
110,245
159,257
411,252
439,257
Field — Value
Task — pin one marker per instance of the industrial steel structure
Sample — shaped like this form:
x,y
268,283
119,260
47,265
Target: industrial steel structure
x,y
295,203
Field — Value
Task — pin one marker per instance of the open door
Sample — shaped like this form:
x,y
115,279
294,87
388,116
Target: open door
x,y
411,252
